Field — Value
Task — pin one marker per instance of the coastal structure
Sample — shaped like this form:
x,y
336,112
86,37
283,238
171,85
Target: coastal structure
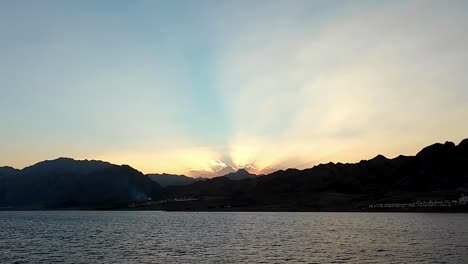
x,y
463,200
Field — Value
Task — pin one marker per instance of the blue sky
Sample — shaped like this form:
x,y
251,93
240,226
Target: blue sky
x,y
174,86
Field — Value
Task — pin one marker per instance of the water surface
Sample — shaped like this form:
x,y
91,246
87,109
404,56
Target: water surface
x,y
207,237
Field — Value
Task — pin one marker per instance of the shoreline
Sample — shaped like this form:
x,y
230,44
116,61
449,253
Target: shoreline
x,y
233,210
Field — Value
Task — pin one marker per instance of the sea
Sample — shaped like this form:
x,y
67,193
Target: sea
x,y
231,237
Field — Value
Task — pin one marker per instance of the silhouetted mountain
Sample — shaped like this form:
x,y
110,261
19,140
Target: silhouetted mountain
x,y
379,160
239,175
70,183
225,171
67,165
213,174
171,180
439,170
8,171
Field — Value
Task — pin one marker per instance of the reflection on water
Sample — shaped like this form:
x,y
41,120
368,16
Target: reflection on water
x,y
179,237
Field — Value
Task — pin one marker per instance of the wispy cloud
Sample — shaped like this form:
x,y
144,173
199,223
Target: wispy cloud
x,y
363,82
215,85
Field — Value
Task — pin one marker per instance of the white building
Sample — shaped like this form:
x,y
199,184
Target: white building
x,y
463,199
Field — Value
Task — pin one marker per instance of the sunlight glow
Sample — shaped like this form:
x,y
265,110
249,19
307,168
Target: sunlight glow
x,y
258,85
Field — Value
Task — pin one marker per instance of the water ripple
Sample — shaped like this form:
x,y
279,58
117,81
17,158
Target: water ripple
x,y
190,237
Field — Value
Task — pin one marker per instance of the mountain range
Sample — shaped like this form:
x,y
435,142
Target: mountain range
x,y
172,180
65,182
438,171
179,180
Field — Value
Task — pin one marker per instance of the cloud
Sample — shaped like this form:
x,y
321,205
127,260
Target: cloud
x,y
290,85
217,165
216,168
385,78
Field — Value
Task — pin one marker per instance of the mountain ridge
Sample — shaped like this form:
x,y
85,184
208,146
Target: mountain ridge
x,y
438,170
65,182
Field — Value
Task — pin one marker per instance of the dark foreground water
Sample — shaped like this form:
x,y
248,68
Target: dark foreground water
x,y
179,237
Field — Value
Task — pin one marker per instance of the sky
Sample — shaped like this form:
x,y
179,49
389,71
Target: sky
x,y
194,87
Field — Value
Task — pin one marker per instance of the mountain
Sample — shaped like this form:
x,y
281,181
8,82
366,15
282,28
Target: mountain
x,y
179,180
171,180
239,175
225,171
213,174
8,171
66,182
67,165
439,171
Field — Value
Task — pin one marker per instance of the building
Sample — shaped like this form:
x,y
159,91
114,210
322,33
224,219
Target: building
x,y
463,199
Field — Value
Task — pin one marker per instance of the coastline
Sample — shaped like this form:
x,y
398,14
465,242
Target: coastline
x,y
244,209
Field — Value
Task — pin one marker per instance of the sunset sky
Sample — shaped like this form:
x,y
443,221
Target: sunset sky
x,y
195,86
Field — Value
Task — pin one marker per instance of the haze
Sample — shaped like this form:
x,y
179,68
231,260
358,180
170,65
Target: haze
x,y
194,87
